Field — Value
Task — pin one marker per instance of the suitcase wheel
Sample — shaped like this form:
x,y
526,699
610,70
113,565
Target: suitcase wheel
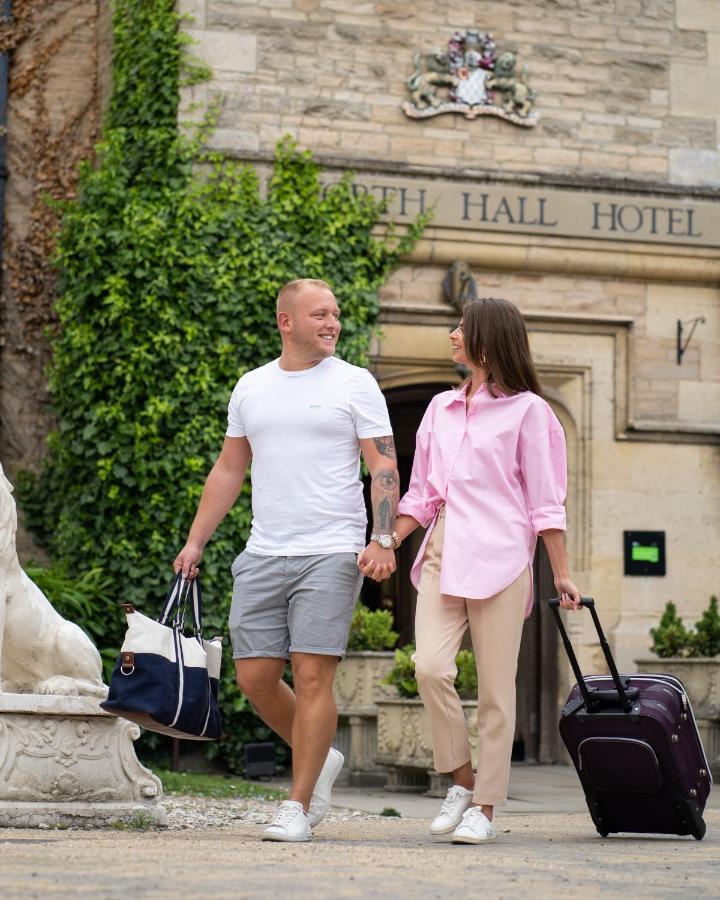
x,y
691,820
602,832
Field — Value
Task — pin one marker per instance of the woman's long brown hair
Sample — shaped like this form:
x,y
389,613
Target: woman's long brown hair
x,y
495,338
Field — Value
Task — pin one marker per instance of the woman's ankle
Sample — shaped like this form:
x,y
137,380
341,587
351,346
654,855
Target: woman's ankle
x,y
464,777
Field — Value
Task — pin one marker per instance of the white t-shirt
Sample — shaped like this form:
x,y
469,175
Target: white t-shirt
x,y
303,428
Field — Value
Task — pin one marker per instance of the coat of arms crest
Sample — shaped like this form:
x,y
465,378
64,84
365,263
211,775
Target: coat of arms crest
x,y
471,78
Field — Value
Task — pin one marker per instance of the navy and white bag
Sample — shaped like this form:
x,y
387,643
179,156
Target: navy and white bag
x,y
165,680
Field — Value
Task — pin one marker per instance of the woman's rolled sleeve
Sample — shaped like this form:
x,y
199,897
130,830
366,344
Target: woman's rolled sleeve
x,y
544,470
422,512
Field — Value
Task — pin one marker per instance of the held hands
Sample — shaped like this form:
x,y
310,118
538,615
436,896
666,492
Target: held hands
x,y
376,563
187,560
568,593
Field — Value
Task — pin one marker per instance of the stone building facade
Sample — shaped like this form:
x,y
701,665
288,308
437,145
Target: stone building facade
x,y
601,222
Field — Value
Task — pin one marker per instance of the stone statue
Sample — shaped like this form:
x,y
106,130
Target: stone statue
x,y
40,652
423,85
63,760
459,285
517,96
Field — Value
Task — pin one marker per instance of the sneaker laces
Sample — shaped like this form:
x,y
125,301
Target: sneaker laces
x,y
474,812
452,795
285,814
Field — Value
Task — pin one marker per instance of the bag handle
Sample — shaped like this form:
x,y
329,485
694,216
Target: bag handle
x,y
176,600
591,703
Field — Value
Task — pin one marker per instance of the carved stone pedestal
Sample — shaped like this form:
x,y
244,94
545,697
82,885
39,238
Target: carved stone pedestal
x,y
357,686
63,761
404,745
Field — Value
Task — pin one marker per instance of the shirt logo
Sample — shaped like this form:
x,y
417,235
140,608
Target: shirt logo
x,y
316,406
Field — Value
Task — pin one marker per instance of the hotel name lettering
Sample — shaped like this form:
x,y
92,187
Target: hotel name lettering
x,y
580,214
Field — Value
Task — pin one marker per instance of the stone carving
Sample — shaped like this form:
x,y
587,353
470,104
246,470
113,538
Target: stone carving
x,y
459,285
65,761
356,688
464,79
516,93
34,746
423,85
404,736
41,653
357,679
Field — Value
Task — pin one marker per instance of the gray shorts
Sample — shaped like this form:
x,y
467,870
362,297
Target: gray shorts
x,y
292,604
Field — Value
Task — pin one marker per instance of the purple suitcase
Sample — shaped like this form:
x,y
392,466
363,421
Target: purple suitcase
x,y
635,746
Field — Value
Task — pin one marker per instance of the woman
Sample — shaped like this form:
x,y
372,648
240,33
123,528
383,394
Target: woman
x,y
489,475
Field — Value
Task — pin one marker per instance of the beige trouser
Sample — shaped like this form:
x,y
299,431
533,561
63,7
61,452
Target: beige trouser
x,y
496,628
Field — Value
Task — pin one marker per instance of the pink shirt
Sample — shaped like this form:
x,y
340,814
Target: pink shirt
x,y
501,470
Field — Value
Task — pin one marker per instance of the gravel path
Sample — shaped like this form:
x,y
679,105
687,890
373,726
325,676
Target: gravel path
x,y
213,849
201,812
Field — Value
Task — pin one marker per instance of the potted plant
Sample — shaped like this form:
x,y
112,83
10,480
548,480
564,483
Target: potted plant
x,y
404,742
368,660
693,656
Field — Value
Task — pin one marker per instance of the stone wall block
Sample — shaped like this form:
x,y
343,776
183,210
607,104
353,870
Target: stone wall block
x,y
694,90
657,357
700,167
699,401
226,51
698,15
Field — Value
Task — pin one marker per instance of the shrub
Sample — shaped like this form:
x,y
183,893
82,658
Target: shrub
x,y
170,260
705,640
83,599
371,630
402,674
670,638
466,682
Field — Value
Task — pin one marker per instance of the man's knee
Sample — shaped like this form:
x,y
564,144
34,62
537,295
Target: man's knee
x,y
258,677
313,676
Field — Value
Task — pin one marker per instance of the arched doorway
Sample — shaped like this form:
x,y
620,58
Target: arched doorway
x,y
537,679
406,406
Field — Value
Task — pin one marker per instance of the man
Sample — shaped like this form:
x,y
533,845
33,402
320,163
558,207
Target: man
x,y
303,419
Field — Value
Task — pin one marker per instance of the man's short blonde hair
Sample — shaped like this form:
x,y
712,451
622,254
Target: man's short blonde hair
x,y
291,290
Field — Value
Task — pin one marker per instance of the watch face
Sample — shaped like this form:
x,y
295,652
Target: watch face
x,y
384,540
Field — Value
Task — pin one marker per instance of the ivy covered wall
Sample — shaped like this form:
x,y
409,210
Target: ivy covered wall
x,y
170,260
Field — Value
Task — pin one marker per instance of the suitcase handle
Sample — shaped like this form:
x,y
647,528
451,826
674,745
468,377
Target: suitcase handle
x,y
591,703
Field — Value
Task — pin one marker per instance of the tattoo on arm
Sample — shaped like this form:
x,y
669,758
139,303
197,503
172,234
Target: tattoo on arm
x,y
383,512
385,446
385,491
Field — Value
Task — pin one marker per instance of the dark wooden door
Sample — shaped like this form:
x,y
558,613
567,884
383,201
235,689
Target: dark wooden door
x,y
406,406
536,734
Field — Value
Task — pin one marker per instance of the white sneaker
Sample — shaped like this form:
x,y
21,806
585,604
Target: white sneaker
x,y
320,800
290,824
475,828
454,805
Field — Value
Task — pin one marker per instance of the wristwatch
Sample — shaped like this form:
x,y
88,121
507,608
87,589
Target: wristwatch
x,y
386,541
